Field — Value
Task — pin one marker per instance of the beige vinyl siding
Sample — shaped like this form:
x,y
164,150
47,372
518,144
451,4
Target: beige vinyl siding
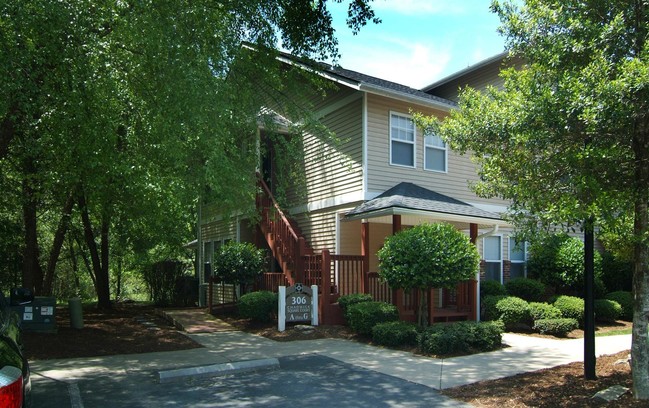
x,y
219,230
476,80
381,175
319,229
336,170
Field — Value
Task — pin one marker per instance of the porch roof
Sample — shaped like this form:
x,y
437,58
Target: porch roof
x,y
410,199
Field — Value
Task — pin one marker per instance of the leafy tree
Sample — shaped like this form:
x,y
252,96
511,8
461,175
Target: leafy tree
x,y
122,113
427,256
567,138
557,260
239,263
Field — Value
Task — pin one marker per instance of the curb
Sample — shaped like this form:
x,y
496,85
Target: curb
x,y
218,369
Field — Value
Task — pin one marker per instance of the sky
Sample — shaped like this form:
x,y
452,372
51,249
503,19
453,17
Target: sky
x,y
418,41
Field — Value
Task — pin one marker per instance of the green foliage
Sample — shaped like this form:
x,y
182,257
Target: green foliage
x,y
491,288
556,327
347,300
238,263
395,334
617,273
488,306
512,311
558,261
571,307
427,256
540,311
161,279
258,306
625,300
527,289
461,337
607,310
365,315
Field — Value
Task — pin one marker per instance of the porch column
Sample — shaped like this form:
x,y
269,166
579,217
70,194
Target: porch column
x,y
365,252
397,294
473,283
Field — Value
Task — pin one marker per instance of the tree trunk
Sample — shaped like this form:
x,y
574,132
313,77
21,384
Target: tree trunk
x,y
57,244
32,271
422,316
100,271
639,343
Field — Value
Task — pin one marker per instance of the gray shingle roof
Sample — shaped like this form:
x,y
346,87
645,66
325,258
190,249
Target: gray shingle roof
x,y
363,79
413,197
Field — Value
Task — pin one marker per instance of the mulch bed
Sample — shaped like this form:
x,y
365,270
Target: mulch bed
x,y
118,331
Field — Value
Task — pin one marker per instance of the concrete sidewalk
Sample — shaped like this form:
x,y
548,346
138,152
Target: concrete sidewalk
x,y
223,344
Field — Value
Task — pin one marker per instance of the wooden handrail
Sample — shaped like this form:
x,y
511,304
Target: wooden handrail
x,y
264,186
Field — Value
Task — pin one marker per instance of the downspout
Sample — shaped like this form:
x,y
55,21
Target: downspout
x,y
488,233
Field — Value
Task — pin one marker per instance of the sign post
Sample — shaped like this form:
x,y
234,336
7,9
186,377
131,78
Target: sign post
x,y
297,303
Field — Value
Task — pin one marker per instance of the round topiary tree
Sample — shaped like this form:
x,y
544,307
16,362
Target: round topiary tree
x,y
238,263
427,256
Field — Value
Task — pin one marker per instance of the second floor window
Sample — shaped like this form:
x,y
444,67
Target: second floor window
x,y
434,153
402,140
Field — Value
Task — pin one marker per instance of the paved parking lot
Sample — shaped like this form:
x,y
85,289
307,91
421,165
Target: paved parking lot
x,y
308,380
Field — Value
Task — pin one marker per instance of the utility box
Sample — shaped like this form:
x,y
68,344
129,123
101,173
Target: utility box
x,y
37,316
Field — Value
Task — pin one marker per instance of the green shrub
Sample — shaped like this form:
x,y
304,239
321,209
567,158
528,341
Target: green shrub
x,y
625,300
488,306
527,289
512,310
571,307
491,288
364,316
540,311
258,306
556,327
461,337
347,300
607,310
238,263
395,334
558,261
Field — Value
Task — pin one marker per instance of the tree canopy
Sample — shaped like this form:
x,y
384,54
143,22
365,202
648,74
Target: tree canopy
x,y
567,137
116,116
427,256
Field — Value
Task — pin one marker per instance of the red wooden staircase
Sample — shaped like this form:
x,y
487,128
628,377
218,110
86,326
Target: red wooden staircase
x,y
287,245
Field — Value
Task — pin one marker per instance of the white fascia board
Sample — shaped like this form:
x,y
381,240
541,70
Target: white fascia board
x,y
350,84
430,214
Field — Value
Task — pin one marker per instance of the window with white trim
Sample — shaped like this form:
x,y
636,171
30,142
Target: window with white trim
x,y
402,140
492,253
434,153
517,258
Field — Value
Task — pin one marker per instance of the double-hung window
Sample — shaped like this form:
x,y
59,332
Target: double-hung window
x,y
402,140
517,257
434,153
492,252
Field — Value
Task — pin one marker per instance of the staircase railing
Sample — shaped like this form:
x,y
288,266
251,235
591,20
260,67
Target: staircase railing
x,y
286,245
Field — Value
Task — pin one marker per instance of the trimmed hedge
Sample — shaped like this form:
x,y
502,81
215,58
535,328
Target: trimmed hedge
x,y
571,307
461,337
488,306
540,311
491,288
607,310
512,310
527,289
625,299
347,300
556,327
395,334
258,306
364,316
